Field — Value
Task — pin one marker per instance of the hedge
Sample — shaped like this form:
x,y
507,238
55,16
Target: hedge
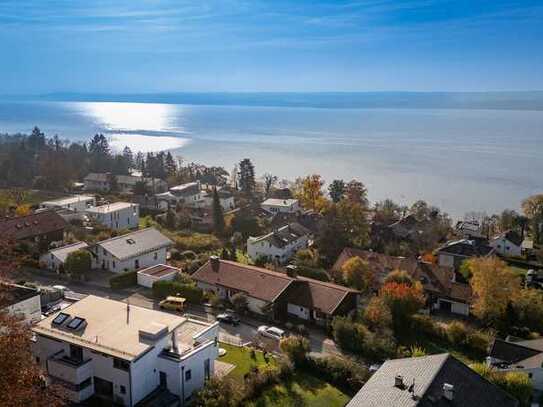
x,y
193,294
124,280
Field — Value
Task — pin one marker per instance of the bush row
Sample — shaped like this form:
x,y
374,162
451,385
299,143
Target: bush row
x,y
193,294
124,280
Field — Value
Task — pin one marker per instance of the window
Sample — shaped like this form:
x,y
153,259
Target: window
x,y
155,255
113,264
123,389
104,250
207,369
137,264
121,364
188,375
37,360
76,353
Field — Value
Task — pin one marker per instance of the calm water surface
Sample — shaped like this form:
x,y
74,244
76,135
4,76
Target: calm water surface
x,y
460,160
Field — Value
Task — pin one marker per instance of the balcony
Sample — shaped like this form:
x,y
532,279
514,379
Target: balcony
x,y
62,367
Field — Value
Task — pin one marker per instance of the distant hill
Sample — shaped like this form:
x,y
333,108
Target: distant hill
x,y
411,100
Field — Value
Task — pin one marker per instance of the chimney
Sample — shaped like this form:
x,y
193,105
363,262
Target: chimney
x,y
291,271
448,391
215,263
127,313
398,381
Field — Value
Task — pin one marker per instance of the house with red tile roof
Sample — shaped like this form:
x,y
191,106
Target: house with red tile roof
x,y
271,292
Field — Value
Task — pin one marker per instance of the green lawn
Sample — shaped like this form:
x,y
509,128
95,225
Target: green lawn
x,y
241,358
302,390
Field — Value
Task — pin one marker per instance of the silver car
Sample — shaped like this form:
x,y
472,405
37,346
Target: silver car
x,y
271,332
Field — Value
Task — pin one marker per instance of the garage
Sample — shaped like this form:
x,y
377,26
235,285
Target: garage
x,y
160,272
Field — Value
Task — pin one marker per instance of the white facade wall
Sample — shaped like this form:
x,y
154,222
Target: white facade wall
x,y
263,248
445,260
50,261
29,309
298,311
459,308
505,248
78,206
146,280
124,218
293,208
226,203
107,261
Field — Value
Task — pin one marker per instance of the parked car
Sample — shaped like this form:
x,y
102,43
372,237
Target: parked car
x,y
228,318
271,332
172,303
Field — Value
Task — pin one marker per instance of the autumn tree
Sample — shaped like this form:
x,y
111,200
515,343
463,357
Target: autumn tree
x,y
400,277
356,192
21,380
494,285
269,182
310,194
386,212
357,274
533,209
336,190
377,315
403,300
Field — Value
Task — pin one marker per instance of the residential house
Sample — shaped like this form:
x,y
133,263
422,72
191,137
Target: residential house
x,y
280,245
453,253
277,294
429,381
524,356
469,230
131,251
309,219
274,205
161,272
21,302
75,203
117,215
443,291
54,259
508,244
408,227
189,194
226,199
121,354
124,183
41,228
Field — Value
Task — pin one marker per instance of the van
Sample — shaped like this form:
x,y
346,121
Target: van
x,y
172,303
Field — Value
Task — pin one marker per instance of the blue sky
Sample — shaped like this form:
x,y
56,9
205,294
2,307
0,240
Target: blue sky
x,y
274,45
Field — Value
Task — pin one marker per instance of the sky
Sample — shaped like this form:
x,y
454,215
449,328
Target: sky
x,y
274,45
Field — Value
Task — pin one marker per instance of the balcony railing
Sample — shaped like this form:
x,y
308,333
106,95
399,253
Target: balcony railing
x,y
70,370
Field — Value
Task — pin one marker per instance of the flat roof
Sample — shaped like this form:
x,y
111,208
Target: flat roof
x,y
112,207
279,202
13,294
69,200
160,270
113,327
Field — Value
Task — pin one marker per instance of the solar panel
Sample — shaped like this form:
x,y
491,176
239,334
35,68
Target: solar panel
x,y
75,323
60,318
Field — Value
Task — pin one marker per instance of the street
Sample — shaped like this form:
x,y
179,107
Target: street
x,y
243,333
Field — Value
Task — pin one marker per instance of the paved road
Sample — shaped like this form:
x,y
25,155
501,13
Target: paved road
x,y
245,332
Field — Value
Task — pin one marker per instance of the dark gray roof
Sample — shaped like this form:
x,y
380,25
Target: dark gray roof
x,y
512,236
429,374
511,352
466,248
285,235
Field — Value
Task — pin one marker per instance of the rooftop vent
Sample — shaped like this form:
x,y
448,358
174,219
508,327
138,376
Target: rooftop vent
x,y
130,241
398,381
448,391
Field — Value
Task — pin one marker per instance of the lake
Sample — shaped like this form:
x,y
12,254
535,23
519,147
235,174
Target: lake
x,y
458,159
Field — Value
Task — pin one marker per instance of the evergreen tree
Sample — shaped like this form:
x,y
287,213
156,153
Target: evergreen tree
x,y
128,157
218,215
100,154
246,180
336,190
170,165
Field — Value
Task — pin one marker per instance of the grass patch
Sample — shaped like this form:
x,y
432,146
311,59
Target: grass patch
x,y
302,390
242,359
433,347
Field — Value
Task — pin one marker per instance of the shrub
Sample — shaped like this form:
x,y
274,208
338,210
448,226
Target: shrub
x,y
183,278
239,302
478,342
416,351
349,335
197,242
224,392
296,348
78,264
399,277
518,384
162,289
423,325
124,280
457,333
315,273
339,371
377,315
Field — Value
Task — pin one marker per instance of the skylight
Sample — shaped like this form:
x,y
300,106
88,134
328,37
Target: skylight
x,y
60,318
76,323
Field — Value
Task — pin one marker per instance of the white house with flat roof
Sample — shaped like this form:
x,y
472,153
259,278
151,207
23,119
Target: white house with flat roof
x,y
121,353
54,259
75,203
117,215
274,206
131,251
160,272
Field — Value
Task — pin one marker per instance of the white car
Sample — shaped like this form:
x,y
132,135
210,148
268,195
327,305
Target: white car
x,y
271,332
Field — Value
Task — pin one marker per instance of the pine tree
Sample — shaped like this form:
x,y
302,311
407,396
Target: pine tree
x,y
218,216
170,165
247,176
